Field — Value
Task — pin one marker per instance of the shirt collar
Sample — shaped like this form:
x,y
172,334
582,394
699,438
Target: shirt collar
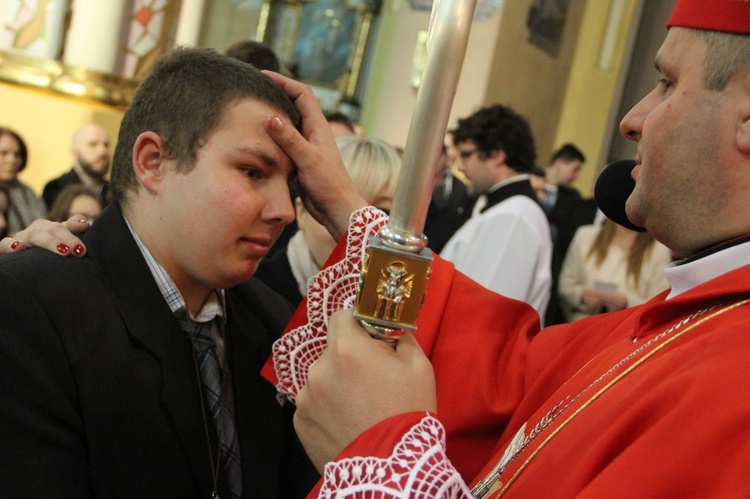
x,y
514,178
684,276
214,306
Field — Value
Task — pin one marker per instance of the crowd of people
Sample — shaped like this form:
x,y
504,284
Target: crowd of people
x,y
139,365
484,215
82,190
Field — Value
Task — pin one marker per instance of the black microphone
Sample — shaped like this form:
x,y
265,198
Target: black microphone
x,y
613,187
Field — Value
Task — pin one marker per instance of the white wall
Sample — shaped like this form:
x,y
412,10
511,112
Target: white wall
x,y
390,98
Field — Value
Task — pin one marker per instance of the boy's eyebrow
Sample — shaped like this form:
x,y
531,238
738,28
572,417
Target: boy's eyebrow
x,y
268,160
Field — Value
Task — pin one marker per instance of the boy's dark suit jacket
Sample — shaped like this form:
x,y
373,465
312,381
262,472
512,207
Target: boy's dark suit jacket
x,y
99,393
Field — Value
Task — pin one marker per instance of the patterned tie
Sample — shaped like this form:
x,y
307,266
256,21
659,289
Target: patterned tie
x,y
220,407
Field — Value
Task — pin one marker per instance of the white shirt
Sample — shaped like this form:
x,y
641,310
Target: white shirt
x,y
685,276
507,249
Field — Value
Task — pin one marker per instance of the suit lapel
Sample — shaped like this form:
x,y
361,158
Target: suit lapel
x,y
152,326
274,462
257,413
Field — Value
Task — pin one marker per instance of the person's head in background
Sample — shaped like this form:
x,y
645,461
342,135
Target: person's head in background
x,y
341,124
13,155
373,166
565,165
75,199
4,207
258,54
90,148
538,182
494,144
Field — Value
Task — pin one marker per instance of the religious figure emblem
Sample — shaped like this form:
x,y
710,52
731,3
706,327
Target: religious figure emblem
x,y
394,286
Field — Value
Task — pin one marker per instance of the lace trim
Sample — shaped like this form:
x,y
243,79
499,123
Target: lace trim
x,y
332,289
417,468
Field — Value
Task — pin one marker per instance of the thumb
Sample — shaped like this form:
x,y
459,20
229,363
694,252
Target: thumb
x,y
287,137
407,345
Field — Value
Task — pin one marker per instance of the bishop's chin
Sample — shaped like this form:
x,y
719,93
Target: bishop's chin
x,y
634,212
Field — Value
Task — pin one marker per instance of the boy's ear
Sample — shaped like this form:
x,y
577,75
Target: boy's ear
x,y
150,161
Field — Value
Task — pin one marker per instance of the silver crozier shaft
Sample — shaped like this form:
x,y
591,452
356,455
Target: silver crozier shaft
x,y
449,34
397,266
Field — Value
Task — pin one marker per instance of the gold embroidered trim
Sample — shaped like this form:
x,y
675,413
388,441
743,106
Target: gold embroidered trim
x,y
496,484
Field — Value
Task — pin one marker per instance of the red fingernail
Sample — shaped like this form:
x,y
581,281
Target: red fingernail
x,y
78,250
14,245
63,248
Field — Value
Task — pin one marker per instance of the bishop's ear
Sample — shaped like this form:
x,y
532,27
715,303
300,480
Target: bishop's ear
x,y
150,160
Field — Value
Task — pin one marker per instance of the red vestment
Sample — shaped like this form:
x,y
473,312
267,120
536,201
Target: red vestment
x,y
649,401
653,404
472,426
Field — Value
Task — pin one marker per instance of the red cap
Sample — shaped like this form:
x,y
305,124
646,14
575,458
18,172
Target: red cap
x,y
731,16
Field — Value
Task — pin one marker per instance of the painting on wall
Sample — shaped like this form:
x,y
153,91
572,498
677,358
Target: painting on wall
x,y
546,22
324,41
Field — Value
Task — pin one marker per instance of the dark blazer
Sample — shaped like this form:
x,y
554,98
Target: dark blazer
x,y
54,186
446,214
99,393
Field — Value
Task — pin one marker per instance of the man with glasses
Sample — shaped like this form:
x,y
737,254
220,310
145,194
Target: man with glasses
x,y
506,244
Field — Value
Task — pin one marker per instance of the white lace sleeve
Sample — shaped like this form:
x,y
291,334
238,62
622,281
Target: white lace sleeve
x,y
417,469
332,289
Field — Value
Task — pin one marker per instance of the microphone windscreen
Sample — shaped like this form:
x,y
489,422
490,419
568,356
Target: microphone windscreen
x,y
613,187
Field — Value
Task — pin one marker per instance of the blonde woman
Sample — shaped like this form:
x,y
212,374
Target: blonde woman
x,y
610,268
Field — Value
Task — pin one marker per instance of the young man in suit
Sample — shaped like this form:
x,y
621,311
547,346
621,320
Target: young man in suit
x,y
104,385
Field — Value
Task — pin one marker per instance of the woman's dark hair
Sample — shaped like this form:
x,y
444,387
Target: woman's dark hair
x,y
59,212
4,192
23,153
499,128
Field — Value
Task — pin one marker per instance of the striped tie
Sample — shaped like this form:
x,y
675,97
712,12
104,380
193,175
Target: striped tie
x,y
220,407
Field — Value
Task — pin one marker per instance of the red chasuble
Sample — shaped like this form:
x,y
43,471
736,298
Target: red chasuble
x,y
653,401
464,358
650,401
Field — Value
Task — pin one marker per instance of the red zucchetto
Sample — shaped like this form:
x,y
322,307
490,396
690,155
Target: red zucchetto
x,y
731,16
